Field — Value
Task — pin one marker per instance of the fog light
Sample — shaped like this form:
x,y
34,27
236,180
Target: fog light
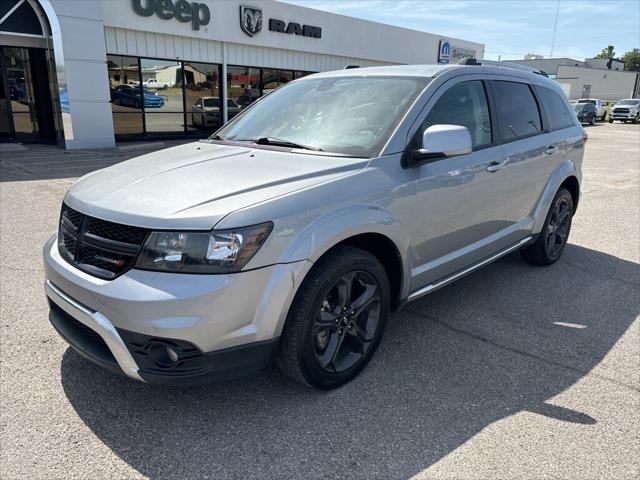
x,y
164,355
173,355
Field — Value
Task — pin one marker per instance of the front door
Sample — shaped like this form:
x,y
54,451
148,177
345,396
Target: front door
x,y
462,212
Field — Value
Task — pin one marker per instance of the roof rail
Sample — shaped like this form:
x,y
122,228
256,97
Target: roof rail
x,y
493,63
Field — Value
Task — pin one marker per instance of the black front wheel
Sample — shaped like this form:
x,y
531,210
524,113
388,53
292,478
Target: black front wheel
x,y
553,238
336,320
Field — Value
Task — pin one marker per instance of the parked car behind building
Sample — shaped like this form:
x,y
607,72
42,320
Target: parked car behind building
x,y
601,111
586,113
206,111
132,96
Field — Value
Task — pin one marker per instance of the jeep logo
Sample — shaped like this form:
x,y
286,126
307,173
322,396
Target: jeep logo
x,y
294,28
183,11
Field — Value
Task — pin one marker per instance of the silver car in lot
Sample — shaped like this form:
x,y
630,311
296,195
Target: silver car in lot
x,y
291,233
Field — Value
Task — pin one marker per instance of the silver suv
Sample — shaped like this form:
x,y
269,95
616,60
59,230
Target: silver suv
x,y
293,231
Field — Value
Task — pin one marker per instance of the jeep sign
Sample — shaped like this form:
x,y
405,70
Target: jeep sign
x,y
196,13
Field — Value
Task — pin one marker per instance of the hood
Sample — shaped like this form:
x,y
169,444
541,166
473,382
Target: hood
x,y
621,105
194,186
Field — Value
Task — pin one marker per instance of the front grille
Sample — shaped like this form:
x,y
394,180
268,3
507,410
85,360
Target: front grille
x,y
117,232
620,110
99,247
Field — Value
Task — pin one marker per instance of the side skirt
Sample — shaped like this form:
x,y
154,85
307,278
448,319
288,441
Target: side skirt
x,y
455,276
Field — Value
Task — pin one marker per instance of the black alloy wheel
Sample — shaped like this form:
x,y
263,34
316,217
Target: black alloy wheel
x,y
554,235
336,320
557,231
346,322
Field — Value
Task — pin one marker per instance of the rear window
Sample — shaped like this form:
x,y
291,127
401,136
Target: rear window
x,y
517,109
556,109
592,102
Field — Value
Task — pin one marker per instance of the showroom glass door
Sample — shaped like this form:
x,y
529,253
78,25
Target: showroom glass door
x,y
6,130
25,98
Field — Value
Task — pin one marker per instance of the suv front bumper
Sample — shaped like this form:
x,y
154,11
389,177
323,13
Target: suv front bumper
x,y
219,325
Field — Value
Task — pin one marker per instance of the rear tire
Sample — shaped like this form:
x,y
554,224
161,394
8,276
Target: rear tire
x,y
336,320
551,242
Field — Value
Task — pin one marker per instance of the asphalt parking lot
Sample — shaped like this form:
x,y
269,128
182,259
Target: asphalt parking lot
x,y
512,372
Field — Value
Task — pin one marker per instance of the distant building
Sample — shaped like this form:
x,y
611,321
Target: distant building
x,y
594,77
608,85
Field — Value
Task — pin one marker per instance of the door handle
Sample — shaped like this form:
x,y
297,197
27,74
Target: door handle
x,y
551,149
495,166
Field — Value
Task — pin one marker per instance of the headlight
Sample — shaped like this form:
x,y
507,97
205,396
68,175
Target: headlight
x,y
218,251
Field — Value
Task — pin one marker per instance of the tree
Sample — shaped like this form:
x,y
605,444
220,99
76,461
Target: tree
x,y
631,60
608,52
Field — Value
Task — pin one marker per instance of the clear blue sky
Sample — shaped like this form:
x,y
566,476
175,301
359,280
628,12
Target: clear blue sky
x,y
510,28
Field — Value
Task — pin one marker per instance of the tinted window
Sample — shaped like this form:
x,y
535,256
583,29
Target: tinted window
x,y
556,109
517,109
464,104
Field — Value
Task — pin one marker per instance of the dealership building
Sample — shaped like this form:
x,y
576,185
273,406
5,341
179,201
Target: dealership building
x,y
85,74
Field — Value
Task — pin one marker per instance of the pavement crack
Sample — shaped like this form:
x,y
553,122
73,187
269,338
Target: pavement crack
x,y
522,352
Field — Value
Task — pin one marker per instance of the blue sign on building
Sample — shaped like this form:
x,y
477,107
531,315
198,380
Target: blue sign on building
x,y
444,53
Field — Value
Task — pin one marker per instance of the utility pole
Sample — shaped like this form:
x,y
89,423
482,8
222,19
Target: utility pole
x,y
555,29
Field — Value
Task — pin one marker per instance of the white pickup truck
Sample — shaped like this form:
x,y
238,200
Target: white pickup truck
x,y
154,83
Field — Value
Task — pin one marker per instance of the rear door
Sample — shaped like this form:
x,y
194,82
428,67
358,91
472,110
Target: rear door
x,y
531,150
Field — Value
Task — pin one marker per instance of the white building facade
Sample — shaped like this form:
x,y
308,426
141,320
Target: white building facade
x,y
136,69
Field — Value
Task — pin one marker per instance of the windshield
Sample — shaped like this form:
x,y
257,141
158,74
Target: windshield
x,y
348,115
211,102
629,102
582,106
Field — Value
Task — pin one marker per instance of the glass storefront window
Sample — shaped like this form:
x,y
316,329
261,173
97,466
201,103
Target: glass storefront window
x,y
162,82
202,95
154,96
125,91
243,85
272,79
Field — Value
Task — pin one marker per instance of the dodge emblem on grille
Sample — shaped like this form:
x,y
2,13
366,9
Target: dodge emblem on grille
x,y
113,261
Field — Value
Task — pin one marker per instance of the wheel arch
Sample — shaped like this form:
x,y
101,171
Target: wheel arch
x,y
565,175
572,184
386,251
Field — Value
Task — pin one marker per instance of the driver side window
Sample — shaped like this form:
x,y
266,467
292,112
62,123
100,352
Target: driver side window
x,y
464,104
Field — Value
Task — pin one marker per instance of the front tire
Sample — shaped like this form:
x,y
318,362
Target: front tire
x,y
551,242
610,120
336,320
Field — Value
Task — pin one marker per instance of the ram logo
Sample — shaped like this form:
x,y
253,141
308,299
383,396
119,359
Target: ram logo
x,y
250,20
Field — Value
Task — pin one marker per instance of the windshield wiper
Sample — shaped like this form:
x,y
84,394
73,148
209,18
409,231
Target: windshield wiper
x,y
281,143
216,137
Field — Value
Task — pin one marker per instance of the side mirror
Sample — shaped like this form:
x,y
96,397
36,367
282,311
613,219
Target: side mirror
x,y
440,141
